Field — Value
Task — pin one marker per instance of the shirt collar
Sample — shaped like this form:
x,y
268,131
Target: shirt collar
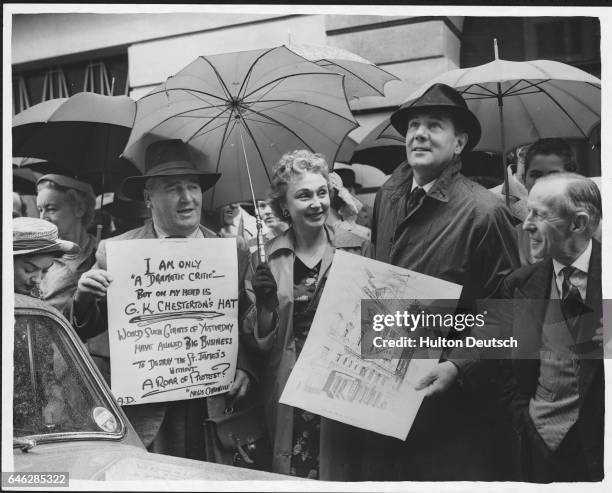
x,y
426,187
162,234
581,263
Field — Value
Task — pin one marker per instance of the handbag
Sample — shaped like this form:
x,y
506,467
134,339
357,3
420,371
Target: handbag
x,y
237,437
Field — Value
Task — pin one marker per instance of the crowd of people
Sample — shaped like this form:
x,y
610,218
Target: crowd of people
x,y
535,420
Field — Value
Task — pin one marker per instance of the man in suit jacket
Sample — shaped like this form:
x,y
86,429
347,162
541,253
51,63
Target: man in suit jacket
x,y
172,188
554,383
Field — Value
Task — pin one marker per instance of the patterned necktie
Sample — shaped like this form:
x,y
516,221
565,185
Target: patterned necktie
x,y
414,199
571,301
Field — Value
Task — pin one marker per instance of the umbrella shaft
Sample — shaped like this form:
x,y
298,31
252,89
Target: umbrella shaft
x,y
260,246
502,132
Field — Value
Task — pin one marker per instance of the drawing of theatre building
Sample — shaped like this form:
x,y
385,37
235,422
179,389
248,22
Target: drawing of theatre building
x,y
342,374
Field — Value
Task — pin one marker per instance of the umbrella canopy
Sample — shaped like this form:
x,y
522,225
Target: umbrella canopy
x,y
83,133
362,77
538,99
346,150
518,103
116,171
245,110
24,181
384,148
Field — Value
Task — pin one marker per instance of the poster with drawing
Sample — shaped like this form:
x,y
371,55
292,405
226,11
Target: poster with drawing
x,y
333,379
172,318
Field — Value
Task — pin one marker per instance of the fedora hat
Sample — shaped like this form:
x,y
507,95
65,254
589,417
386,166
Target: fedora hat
x,y
32,235
440,98
166,158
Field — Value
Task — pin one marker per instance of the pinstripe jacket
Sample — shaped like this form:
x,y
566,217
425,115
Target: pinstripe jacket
x,y
520,375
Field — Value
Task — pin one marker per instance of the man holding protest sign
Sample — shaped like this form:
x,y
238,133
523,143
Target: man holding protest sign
x,y
172,188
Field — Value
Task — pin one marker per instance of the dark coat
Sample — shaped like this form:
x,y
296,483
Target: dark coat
x,y
520,375
462,233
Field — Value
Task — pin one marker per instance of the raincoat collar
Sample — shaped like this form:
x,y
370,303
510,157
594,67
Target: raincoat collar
x,y
337,237
440,191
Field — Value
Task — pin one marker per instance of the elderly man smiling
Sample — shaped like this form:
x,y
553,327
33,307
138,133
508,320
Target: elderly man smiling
x,y
172,188
430,218
557,397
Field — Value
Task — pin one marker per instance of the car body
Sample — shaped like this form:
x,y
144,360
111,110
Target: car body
x,y
65,418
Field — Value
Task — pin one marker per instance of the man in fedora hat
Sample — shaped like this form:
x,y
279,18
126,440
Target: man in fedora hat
x,y
430,218
35,246
171,188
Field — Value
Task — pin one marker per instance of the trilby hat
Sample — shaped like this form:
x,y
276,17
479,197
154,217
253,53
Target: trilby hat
x,y
444,99
166,158
32,235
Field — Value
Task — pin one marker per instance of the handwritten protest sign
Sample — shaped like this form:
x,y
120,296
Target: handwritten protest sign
x,y
172,318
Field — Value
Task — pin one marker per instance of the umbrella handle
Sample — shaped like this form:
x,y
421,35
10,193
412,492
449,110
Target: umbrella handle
x,y
260,241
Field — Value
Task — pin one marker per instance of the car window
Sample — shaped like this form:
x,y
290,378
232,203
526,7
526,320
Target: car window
x,y
54,391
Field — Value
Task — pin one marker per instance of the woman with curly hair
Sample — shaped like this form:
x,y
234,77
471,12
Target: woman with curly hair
x,y
285,293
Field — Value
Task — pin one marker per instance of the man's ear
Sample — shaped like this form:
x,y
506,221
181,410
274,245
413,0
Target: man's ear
x,y
147,197
462,140
580,222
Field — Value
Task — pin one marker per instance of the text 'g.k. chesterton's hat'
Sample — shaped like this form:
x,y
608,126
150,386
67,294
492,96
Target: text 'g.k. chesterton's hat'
x,y
443,99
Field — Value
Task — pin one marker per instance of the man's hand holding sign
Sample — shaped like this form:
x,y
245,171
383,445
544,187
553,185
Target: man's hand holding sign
x,y
169,329
173,317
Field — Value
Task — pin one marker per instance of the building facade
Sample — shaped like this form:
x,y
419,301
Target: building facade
x,y
57,55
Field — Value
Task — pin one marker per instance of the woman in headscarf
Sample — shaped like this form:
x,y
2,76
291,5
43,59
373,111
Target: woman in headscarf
x,y
285,293
70,205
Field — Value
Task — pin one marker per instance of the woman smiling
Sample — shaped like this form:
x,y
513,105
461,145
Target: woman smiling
x,y
285,294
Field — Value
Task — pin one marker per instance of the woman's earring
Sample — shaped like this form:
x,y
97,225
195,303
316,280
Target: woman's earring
x,y
285,213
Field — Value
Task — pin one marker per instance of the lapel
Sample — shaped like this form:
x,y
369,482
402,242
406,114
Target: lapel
x,y
593,295
530,309
440,192
591,361
281,257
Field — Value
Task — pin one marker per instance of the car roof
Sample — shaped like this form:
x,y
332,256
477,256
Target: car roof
x,y
24,301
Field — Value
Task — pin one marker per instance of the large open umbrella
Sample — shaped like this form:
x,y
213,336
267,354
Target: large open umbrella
x,y
245,110
520,102
84,134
